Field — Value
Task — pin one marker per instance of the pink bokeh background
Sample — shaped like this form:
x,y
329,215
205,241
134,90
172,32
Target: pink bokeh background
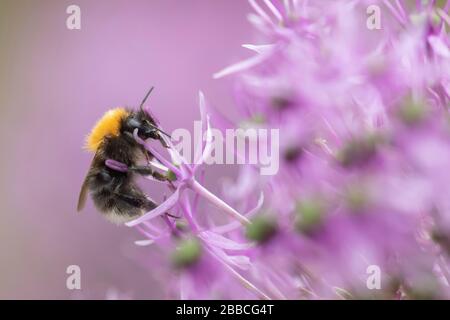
x,y
54,84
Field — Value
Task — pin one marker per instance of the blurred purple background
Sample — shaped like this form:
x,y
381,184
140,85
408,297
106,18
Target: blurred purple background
x,y
54,84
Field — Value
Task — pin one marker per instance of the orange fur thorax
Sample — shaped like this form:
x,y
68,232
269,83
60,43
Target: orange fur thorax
x,y
108,125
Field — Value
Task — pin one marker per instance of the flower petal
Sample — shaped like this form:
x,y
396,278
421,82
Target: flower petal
x,y
439,47
116,165
158,165
143,243
234,225
159,210
199,147
222,242
263,48
241,66
207,150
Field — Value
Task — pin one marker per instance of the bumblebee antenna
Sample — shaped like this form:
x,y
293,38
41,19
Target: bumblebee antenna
x,y
148,122
158,129
145,98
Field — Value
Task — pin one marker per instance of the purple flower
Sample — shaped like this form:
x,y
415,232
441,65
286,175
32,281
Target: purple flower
x,y
365,148
363,119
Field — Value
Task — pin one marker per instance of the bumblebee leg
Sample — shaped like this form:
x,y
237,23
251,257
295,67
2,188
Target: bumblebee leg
x,y
136,200
142,170
147,171
147,154
163,143
172,216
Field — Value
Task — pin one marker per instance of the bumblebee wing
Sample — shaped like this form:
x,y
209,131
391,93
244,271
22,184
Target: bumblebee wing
x,y
83,195
84,187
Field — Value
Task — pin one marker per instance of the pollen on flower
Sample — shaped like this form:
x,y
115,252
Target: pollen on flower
x,y
108,125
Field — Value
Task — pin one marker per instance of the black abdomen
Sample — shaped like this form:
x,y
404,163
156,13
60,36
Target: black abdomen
x,y
114,193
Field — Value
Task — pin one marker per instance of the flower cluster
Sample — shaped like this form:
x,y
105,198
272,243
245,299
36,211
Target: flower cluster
x,y
359,207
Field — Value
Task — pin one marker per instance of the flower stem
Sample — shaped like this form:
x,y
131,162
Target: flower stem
x,y
442,265
201,190
184,204
241,278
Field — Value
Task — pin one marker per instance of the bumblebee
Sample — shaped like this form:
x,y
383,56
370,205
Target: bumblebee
x,y
114,192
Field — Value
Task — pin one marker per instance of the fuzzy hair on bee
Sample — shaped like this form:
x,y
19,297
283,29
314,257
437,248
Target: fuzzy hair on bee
x,y
114,192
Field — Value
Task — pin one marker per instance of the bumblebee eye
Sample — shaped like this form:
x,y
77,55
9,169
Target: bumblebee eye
x,y
133,123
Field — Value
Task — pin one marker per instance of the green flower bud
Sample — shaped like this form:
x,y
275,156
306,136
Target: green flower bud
x,y
187,253
258,119
412,112
261,229
310,214
181,225
357,198
359,150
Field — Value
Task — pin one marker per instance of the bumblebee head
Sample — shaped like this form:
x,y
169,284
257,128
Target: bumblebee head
x,y
120,121
143,123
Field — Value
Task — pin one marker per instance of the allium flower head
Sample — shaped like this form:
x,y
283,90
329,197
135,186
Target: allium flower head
x,y
365,152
